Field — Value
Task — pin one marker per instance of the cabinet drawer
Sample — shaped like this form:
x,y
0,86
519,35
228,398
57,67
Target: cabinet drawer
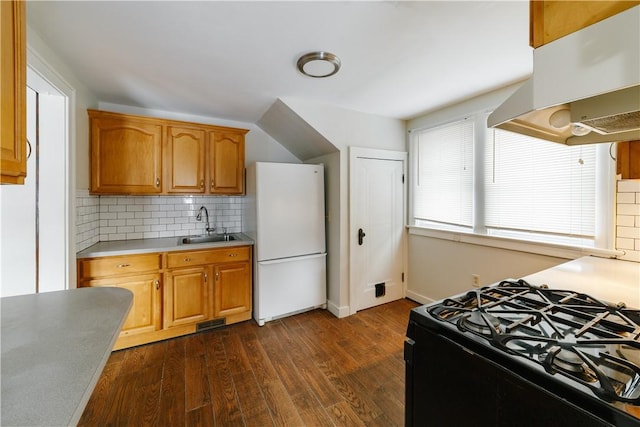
x,y
214,256
118,265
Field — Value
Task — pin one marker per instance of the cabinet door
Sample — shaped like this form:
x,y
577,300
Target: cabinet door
x,y
226,163
232,289
185,160
13,89
144,315
187,296
126,156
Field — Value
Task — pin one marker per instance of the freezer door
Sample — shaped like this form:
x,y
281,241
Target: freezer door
x,y
290,210
289,285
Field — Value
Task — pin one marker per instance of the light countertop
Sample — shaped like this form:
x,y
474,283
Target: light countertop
x,y
165,244
54,347
609,280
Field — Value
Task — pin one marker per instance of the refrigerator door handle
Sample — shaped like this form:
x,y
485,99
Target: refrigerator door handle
x,y
298,258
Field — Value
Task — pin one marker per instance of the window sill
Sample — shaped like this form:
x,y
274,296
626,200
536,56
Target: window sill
x,y
548,249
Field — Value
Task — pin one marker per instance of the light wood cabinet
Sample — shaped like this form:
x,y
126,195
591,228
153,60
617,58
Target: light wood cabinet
x,y
187,296
226,163
138,273
142,155
186,155
13,89
231,295
551,19
628,159
126,155
175,293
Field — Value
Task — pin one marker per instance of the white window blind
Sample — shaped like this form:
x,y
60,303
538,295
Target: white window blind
x,y
539,186
444,174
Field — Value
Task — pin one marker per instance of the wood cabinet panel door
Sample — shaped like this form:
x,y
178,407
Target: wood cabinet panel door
x,y
226,163
232,289
144,315
126,156
187,296
13,92
186,150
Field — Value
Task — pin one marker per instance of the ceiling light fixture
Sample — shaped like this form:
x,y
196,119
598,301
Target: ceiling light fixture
x,y
319,64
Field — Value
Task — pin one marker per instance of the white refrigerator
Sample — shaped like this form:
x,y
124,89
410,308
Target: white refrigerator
x,y
284,215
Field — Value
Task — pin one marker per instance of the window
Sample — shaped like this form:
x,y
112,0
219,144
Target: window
x,y
499,183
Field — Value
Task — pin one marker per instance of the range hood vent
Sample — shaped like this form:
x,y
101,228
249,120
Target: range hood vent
x,y
585,87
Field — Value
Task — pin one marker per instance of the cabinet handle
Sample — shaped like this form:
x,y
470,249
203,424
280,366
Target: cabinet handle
x,y
205,277
157,182
202,183
123,265
232,255
212,184
187,260
217,275
157,282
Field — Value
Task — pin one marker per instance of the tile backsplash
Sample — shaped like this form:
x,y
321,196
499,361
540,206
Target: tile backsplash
x,y
103,218
628,219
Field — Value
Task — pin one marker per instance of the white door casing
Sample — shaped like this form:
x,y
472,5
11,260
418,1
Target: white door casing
x,y
377,206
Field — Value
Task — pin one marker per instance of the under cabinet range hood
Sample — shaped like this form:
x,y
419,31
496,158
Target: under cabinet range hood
x,y
585,87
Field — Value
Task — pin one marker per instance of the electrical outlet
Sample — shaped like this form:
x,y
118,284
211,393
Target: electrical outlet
x,y
475,280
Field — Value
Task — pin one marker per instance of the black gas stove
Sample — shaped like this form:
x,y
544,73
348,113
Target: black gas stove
x,y
517,354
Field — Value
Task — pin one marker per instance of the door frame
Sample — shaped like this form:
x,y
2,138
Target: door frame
x,y
39,69
370,153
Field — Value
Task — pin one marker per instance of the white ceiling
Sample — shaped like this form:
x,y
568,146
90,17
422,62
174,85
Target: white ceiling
x,y
233,59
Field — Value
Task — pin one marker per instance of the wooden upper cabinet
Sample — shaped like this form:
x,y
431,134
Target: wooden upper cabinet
x,y
551,19
226,163
13,92
126,155
628,159
186,152
144,155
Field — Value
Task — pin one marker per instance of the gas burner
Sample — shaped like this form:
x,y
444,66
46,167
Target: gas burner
x,y
481,323
568,361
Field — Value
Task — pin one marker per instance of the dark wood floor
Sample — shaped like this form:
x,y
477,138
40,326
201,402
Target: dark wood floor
x,y
311,369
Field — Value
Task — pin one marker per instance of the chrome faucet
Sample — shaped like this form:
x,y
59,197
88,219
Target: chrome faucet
x,y
208,229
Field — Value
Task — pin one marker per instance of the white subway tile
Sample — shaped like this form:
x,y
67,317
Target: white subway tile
x,y
626,198
628,209
628,232
629,186
622,243
625,221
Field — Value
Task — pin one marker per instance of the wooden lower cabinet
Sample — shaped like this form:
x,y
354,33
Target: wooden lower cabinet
x,y
145,313
174,292
230,296
187,296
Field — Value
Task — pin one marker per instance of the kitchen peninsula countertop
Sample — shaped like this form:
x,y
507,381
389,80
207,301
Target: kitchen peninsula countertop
x,y
164,244
610,280
54,347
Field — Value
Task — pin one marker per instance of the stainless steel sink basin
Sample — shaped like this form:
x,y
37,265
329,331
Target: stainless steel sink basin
x,y
207,239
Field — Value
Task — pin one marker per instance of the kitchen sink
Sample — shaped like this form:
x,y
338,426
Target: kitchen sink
x,y
207,239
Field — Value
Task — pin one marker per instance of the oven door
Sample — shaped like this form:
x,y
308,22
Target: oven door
x,y
449,385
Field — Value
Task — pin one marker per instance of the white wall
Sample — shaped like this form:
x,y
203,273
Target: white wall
x,y
439,268
344,129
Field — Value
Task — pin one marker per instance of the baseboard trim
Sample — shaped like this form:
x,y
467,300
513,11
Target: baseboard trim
x,y
339,312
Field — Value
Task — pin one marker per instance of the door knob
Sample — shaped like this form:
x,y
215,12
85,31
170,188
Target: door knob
x,y
360,236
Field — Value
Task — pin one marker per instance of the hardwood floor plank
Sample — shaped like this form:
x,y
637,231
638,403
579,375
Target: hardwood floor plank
x,y
197,390
224,399
172,400
310,369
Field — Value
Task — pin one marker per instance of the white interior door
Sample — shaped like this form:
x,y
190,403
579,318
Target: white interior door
x,y
377,227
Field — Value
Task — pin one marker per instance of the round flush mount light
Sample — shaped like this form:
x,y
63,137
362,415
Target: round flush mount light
x,y
319,64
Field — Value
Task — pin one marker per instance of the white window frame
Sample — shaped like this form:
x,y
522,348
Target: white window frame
x,y
605,198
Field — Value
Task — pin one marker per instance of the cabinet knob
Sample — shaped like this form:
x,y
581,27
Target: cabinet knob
x,y
205,277
202,183
217,275
187,259
212,184
123,265
157,282
232,255
157,182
